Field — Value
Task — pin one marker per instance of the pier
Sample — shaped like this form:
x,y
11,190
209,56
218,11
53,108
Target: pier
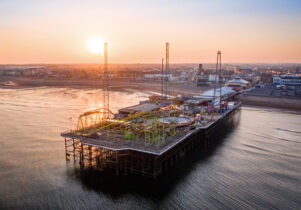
x,y
145,156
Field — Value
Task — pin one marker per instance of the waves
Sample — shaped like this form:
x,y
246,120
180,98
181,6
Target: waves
x,y
290,131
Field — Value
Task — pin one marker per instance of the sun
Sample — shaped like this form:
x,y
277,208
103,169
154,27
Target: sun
x,y
95,46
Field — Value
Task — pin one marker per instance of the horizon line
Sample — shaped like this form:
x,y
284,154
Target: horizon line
x,y
141,63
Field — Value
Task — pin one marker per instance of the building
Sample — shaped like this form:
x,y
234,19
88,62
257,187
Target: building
x,y
227,75
236,70
202,76
238,82
287,80
213,78
266,77
157,76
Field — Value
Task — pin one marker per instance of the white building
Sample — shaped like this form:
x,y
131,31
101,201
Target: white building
x,y
209,94
238,82
157,76
287,80
213,78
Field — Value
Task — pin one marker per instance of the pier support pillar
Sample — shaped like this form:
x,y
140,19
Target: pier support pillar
x,y
117,165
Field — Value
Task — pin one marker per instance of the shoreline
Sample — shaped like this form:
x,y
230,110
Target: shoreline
x,y
272,102
183,88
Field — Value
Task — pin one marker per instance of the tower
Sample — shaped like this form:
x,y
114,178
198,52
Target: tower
x,y
166,88
106,79
217,72
162,77
219,60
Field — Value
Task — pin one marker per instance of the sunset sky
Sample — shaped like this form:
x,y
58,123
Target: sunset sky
x,y
38,31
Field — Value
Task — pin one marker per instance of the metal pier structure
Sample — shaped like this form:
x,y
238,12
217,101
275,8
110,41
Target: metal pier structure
x,y
131,156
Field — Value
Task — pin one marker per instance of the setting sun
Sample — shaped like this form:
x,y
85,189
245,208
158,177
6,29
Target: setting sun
x,y
95,46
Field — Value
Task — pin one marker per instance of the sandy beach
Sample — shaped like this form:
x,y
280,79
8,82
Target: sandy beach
x,y
183,88
272,101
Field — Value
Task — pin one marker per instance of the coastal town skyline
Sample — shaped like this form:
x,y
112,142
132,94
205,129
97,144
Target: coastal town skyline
x,y
136,31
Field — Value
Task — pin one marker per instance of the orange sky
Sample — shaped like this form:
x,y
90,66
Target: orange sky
x,y
57,31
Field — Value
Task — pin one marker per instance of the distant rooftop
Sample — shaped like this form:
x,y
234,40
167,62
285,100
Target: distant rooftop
x,y
239,80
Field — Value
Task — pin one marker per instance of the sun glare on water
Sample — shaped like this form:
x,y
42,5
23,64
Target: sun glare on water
x,y
95,46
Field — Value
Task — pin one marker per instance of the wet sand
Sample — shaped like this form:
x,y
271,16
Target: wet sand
x,y
292,103
179,88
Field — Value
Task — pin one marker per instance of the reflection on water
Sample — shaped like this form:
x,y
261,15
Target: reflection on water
x,y
117,186
257,165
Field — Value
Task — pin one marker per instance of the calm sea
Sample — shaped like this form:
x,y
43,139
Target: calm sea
x,y
256,165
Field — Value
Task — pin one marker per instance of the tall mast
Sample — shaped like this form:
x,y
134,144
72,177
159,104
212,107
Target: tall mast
x,y
219,59
162,75
166,88
106,92
215,79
